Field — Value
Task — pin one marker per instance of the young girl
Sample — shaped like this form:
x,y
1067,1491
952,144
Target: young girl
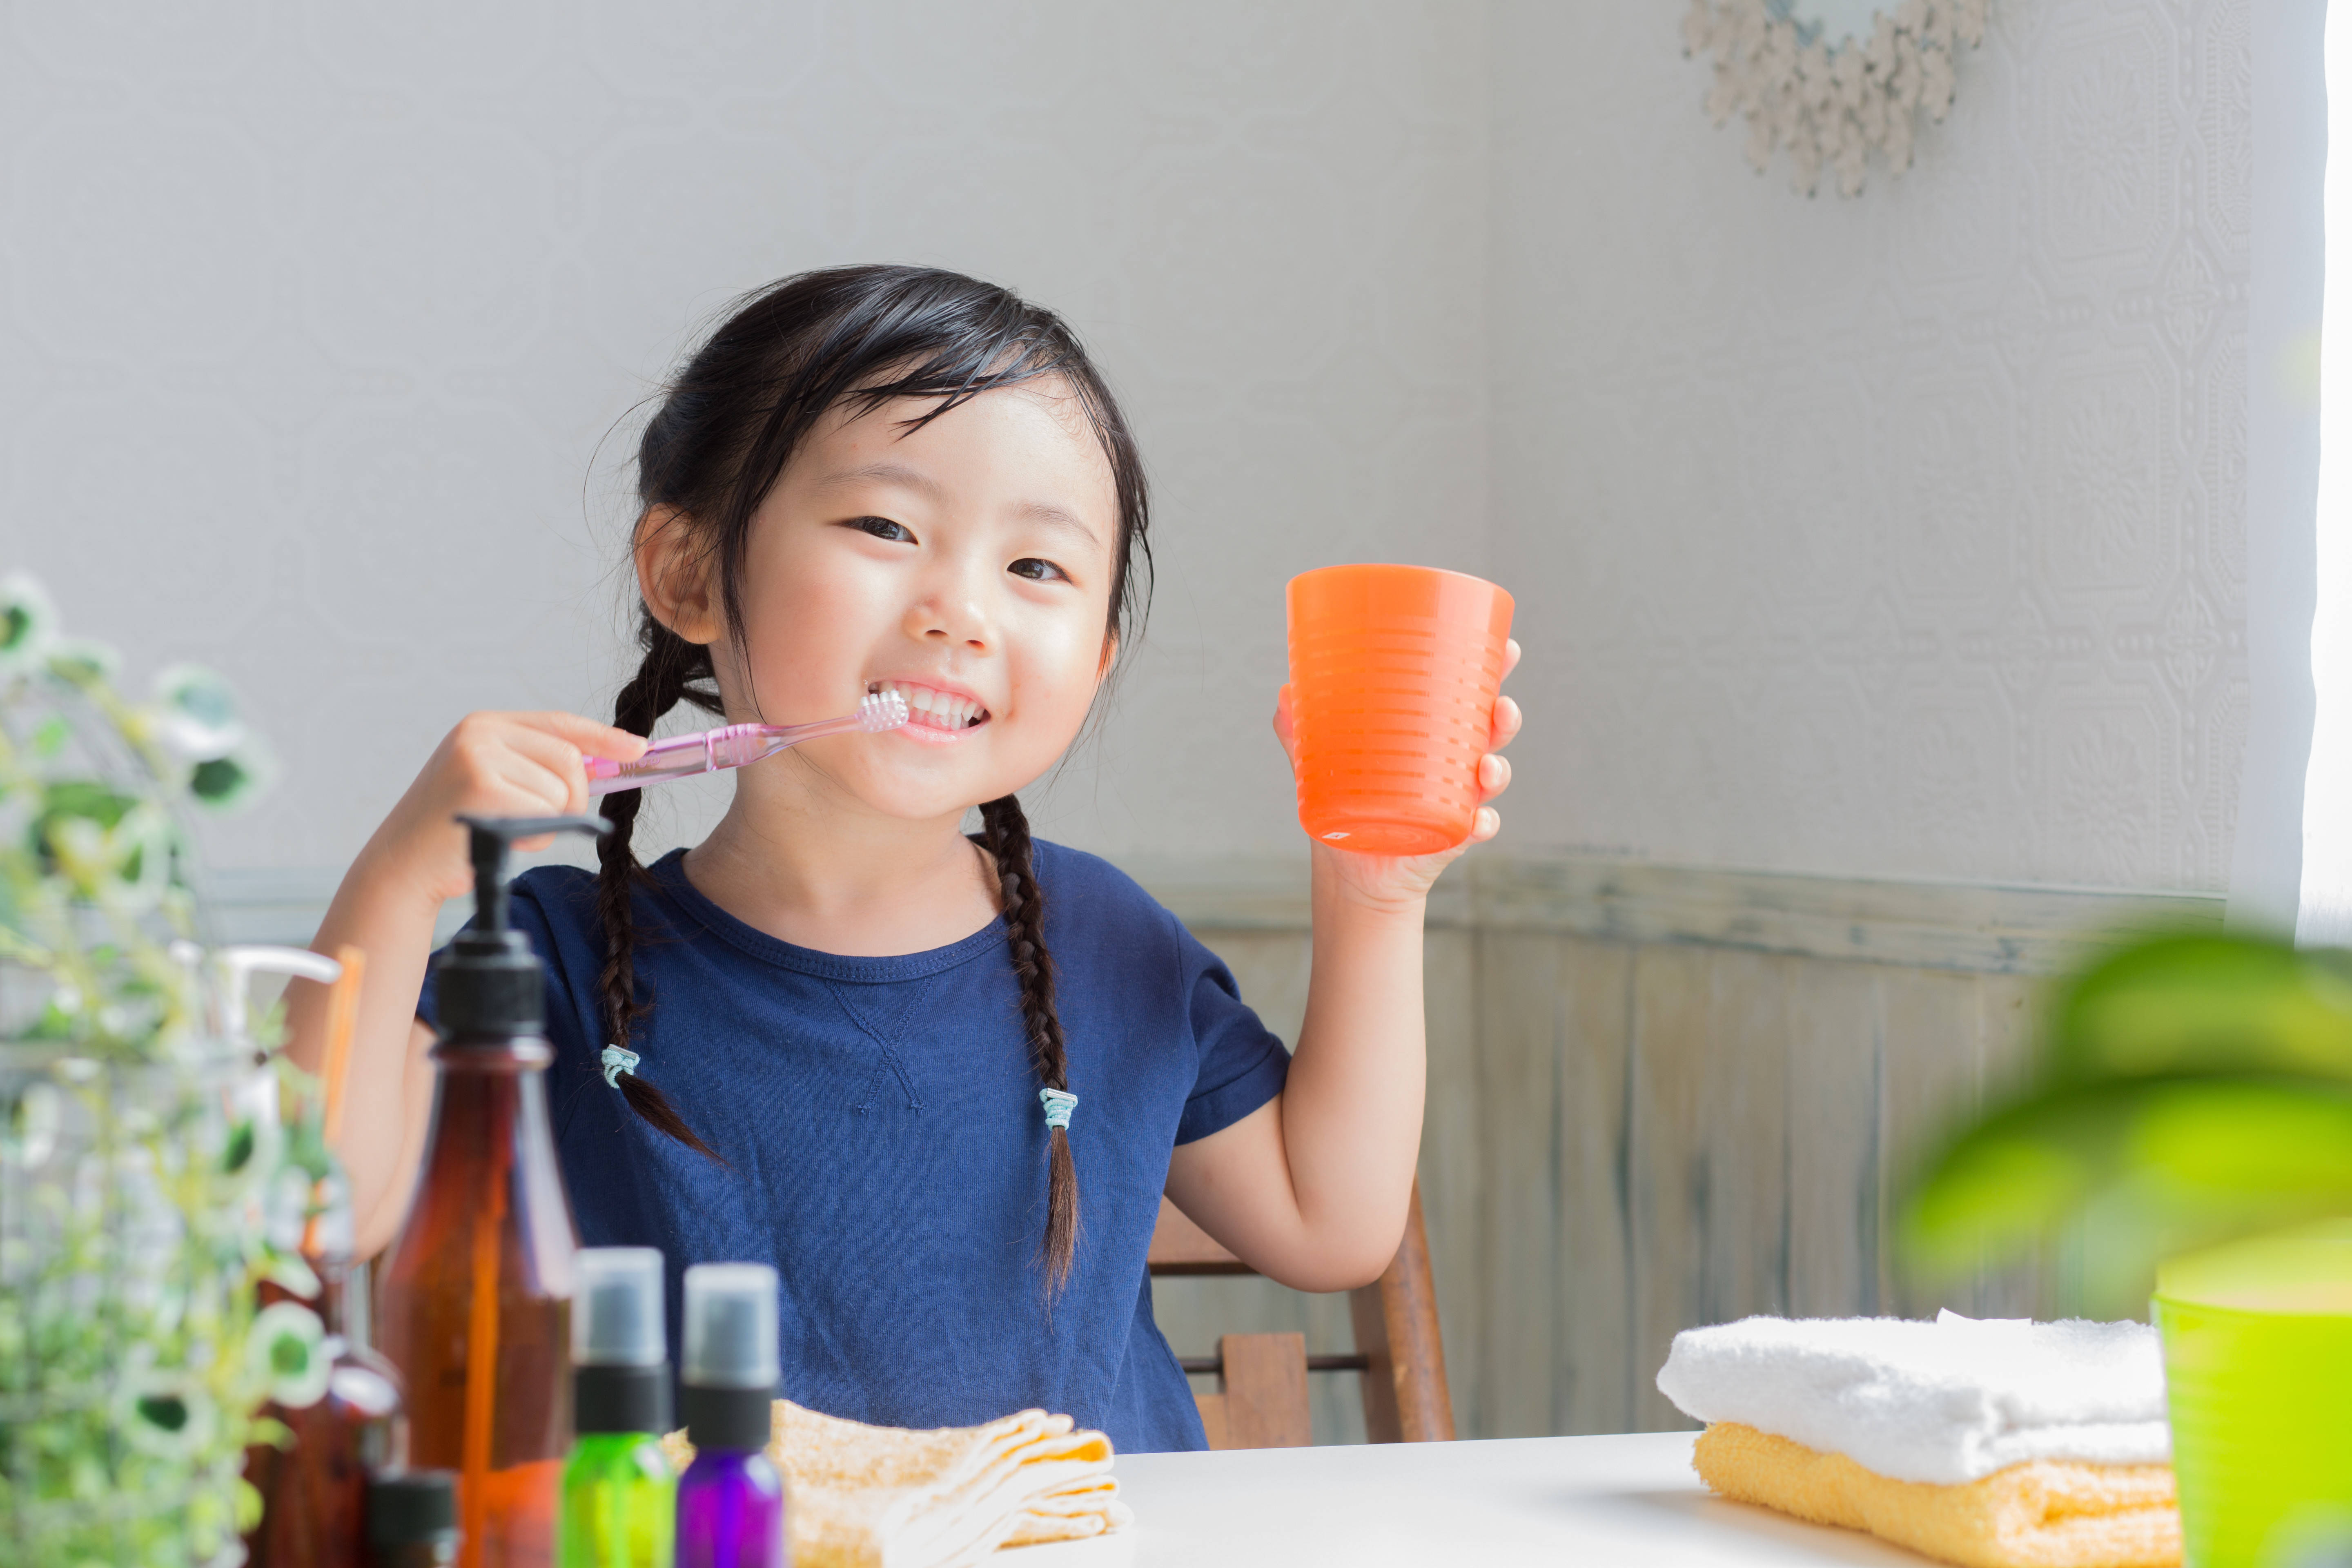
x,y
819,1037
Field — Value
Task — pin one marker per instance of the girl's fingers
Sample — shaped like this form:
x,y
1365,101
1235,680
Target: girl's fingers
x,y
1504,725
538,792
595,739
1510,656
561,759
1486,824
1284,730
1493,776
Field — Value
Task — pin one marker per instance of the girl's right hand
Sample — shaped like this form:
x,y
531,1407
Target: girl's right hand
x,y
491,764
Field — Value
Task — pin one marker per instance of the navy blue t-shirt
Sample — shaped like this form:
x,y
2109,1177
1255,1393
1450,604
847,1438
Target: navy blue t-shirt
x,y
886,1149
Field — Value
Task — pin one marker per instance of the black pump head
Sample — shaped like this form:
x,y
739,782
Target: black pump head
x,y
490,983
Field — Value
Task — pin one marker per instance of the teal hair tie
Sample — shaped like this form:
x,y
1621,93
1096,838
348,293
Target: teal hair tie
x,y
1059,1103
616,1062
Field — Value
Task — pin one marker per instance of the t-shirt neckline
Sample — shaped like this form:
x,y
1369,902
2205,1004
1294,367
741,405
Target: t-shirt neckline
x,y
669,875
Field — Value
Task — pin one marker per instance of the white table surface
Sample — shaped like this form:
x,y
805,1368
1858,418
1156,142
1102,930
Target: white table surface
x,y
1565,1502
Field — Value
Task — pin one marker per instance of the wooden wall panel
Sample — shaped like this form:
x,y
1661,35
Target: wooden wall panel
x,y
1672,1180
1596,1384
1833,1094
1929,1078
1662,1097
1743,1134
2008,1013
1520,1140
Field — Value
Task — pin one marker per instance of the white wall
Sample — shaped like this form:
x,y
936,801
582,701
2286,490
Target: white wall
x,y
1901,536
312,320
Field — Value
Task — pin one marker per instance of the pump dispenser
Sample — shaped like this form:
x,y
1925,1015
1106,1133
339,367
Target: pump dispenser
x,y
313,1490
619,1494
730,1502
477,1301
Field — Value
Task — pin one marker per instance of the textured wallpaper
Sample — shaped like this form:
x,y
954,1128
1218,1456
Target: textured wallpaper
x,y
1896,536
315,322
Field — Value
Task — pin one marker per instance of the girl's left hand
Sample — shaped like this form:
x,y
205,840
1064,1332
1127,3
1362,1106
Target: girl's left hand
x,y
1401,880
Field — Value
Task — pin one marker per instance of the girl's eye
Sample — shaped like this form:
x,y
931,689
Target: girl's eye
x,y
883,528
1037,571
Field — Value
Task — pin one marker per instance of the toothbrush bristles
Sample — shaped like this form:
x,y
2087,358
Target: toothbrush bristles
x,y
882,710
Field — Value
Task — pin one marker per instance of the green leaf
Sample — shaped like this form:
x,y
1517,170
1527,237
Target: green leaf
x,y
49,738
68,800
164,1412
2163,1162
2205,1005
248,1498
86,797
217,782
241,1141
289,1355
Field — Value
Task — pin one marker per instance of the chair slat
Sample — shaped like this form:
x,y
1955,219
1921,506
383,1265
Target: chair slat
x,y
1213,1420
1398,1348
1266,1390
1405,1395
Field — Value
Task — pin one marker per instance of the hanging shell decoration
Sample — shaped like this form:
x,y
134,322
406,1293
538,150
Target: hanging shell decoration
x,y
1828,104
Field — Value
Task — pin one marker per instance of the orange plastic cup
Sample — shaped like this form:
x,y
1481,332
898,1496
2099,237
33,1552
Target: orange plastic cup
x,y
1393,674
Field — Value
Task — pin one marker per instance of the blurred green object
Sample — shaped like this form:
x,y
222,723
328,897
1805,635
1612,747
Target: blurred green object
x,y
2188,1093
2187,1090
2258,1369
148,1181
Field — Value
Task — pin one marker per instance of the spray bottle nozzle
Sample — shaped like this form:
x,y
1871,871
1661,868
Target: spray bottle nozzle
x,y
490,981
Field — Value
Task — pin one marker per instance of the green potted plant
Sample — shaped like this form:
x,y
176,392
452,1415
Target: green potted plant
x,y
2188,1124
141,1162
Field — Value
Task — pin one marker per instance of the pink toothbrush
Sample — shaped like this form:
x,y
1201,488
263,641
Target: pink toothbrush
x,y
733,746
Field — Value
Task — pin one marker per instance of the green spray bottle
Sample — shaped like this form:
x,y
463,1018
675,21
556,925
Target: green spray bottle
x,y
619,1495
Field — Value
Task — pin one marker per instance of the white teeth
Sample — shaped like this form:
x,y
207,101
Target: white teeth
x,y
952,712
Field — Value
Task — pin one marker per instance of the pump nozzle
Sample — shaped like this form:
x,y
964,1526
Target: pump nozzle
x,y
493,839
490,983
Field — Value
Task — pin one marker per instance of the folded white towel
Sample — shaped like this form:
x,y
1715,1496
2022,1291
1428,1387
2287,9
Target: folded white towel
x,y
1946,1402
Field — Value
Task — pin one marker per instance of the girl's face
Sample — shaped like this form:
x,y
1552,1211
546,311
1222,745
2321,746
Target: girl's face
x,y
966,565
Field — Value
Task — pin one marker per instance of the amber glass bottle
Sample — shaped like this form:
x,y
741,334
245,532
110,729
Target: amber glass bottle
x,y
314,1491
477,1301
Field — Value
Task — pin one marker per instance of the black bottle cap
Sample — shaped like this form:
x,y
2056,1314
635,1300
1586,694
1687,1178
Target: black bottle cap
x,y
726,1420
622,1399
490,981
407,1506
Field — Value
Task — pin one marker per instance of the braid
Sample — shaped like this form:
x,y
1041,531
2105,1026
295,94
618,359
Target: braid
x,y
1005,836
659,685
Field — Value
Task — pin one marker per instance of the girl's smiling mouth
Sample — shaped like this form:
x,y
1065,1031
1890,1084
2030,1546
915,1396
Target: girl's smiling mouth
x,y
934,713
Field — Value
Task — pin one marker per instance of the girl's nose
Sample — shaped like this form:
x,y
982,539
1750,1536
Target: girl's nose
x,y
952,612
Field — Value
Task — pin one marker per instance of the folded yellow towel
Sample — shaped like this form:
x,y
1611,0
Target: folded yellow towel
x,y
2045,1513
885,1497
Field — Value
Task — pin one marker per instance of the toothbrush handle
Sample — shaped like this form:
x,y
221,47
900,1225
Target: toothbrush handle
x,y
680,758
729,746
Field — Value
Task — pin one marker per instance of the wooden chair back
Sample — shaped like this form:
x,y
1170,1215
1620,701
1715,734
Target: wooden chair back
x,y
1261,1402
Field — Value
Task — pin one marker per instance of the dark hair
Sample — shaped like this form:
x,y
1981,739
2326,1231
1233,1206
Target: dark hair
x,y
730,420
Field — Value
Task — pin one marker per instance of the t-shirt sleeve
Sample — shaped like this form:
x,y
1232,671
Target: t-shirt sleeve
x,y
1243,1065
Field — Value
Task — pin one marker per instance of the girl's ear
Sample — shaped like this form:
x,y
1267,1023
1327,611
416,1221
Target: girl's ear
x,y
1109,658
674,575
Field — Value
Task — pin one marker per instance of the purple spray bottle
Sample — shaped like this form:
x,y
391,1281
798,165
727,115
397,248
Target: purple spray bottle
x,y
730,1502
